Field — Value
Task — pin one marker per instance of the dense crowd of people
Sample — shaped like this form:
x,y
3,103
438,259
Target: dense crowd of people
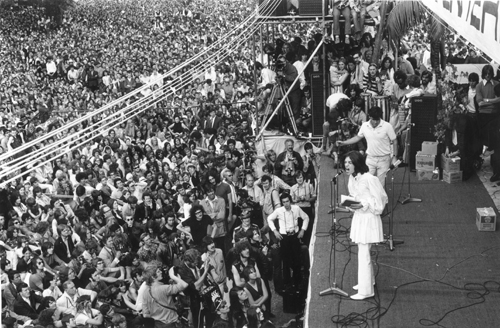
x,y
163,220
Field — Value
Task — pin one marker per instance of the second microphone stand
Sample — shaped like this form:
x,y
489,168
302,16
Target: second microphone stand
x,y
409,199
389,239
334,289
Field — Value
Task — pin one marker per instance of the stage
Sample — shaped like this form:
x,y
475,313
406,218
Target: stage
x,y
446,274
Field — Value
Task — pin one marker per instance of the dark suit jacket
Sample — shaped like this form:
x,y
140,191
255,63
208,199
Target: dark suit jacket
x,y
208,123
60,249
141,212
29,310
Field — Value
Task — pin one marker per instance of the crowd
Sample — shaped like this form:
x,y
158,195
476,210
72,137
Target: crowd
x,y
160,220
163,220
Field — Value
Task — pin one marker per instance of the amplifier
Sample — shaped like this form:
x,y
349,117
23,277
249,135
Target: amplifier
x,y
424,118
318,101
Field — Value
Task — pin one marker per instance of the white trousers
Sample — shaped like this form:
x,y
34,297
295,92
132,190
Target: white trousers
x,y
366,278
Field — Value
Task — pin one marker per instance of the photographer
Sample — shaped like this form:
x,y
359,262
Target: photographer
x,y
109,255
304,195
286,73
191,274
288,163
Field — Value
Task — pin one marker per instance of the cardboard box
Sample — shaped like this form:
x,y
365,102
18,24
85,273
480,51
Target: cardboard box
x,y
425,162
423,175
452,177
450,164
486,219
430,147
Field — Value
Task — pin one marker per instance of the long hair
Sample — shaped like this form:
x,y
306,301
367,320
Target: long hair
x,y
194,209
253,317
358,161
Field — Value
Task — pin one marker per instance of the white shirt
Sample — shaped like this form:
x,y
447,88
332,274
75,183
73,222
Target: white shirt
x,y
267,76
69,303
288,220
140,299
256,194
334,99
470,104
51,67
299,65
379,139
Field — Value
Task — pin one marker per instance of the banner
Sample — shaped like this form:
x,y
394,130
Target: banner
x,y
476,21
459,73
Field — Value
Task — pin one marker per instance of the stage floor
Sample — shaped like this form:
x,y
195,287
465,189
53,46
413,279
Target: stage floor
x,y
446,274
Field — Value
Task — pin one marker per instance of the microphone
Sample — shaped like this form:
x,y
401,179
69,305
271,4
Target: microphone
x,y
411,124
336,176
394,166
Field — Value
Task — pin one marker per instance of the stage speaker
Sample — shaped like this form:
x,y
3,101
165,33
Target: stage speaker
x,y
280,10
318,101
312,7
424,118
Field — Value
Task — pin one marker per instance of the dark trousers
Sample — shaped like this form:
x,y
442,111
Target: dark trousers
x,y
290,250
294,98
485,122
307,235
495,144
277,270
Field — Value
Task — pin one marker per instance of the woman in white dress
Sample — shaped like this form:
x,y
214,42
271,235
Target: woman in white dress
x,y
366,226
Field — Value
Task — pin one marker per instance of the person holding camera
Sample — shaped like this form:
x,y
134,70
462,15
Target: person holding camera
x,y
304,195
286,73
158,298
288,163
190,272
110,256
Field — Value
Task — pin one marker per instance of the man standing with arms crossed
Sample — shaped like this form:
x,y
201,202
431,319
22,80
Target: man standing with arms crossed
x,y
381,140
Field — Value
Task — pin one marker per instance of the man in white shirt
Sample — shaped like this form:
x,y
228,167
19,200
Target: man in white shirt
x,y
51,67
215,207
67,302
299,65
361,69
471,95
289,233
381,140
266,75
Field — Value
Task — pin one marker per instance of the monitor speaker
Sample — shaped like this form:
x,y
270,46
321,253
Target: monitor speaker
x,y
312,7
318,101
424,118
280,10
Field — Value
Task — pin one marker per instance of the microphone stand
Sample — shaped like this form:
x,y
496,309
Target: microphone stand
x,y
333,289
408,198
388,239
